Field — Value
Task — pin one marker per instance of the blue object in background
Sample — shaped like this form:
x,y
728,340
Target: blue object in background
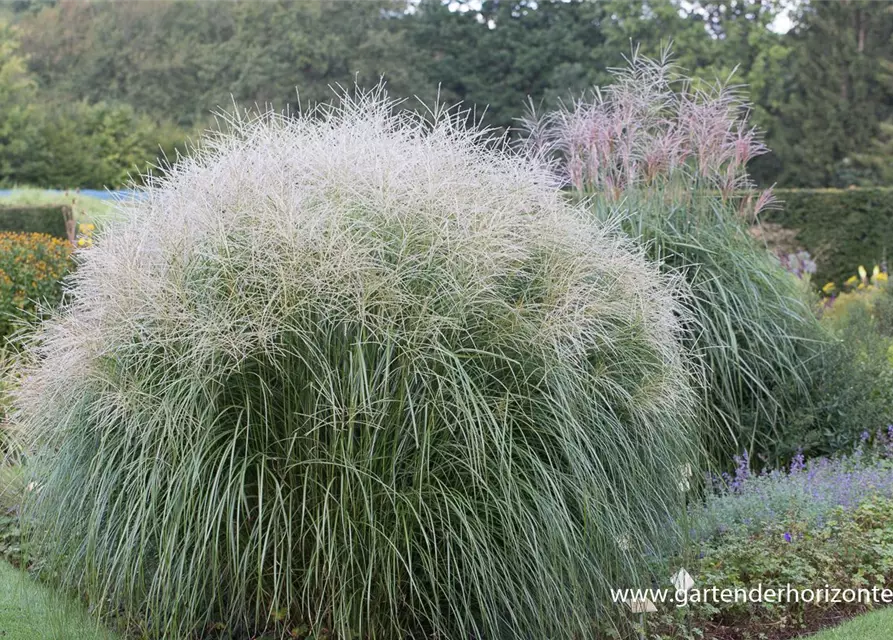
x,y
92,193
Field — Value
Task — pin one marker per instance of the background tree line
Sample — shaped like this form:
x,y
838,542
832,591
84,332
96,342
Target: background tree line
x,y
89,90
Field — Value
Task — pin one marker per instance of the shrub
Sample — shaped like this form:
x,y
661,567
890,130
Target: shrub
x,y
50,220
853,392
84,207
669,160
71,144
32,266
882,310
95,146
861,293
357,371
841,227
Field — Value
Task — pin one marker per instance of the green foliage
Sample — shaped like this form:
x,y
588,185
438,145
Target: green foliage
x,y
667,156
820,91
371,375
851,393
853,549
840,227
84,208
837,92
32,266
505,53
18,6
754,328
64,143
877,159
12,493
89,145
882,312
20,128
12,483
30,610
50,220
92,146
182,60
862,299
854,390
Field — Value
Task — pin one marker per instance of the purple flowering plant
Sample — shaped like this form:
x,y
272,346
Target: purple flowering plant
x,y
806,491
801,264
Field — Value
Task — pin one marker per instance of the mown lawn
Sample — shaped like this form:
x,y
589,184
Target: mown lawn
x,y
30,611
877,625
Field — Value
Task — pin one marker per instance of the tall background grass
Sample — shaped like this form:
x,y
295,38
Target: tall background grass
x,y
668,156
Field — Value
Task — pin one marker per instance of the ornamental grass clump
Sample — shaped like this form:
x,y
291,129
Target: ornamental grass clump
x,y
669,155
359,373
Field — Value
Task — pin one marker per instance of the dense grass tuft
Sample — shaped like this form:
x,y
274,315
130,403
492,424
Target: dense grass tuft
x,y
756,333
363,372
669,155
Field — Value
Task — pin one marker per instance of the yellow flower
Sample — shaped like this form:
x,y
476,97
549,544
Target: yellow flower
x,y
828,288
882,276
851,281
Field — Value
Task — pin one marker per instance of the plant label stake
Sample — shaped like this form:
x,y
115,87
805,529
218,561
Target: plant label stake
x,y
641,607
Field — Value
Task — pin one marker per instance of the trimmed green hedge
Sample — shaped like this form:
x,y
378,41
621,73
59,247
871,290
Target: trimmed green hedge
x,y
40,219
841,228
